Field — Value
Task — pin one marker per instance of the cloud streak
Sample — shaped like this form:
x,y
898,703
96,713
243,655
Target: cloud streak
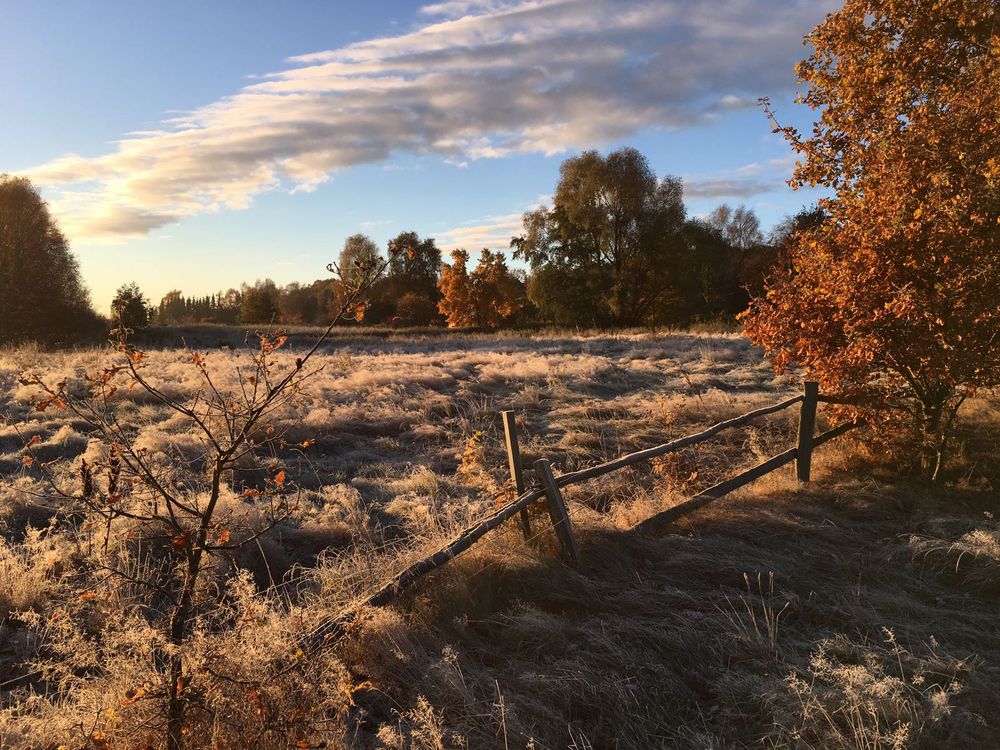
x,y
480,79
744,182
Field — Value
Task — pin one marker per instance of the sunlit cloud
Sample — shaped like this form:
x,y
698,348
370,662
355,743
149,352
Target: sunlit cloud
x,y
488,232
479,80
491,232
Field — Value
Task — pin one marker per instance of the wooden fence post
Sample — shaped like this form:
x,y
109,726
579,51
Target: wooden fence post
x,y
514,463
807,426
557,510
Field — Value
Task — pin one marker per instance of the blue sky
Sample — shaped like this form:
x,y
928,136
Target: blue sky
x,y
197,145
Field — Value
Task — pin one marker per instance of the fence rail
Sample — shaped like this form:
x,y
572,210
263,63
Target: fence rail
x,y
842,401
330,629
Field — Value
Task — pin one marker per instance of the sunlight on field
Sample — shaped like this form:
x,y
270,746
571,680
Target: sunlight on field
x,y
383,413
393,446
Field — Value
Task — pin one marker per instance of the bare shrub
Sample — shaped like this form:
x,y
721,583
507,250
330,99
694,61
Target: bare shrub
x,y
875,695
161,514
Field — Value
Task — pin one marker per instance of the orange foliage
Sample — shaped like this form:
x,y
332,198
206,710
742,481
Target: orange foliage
x,y
486,298
897,294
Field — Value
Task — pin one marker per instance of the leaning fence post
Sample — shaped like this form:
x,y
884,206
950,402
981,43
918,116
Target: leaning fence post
x,y
514,462
807,426
557,510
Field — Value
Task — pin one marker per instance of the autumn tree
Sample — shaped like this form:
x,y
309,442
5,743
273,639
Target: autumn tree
x,y
499,293
41,295
602,254
896,294
487,298
458,303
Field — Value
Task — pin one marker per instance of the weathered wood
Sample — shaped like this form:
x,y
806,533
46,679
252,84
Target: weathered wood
x,y
807,426
629,459
665,518
841,401
331,628
835,432
514,464
557,510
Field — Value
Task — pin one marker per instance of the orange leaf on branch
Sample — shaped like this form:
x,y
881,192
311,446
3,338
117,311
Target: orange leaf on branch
x,y
181,541
131,696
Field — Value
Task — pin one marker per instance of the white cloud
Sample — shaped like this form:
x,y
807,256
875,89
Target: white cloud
x,y
487,80
490,232
743,182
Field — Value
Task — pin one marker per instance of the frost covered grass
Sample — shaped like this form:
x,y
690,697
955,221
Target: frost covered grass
x,y
857,612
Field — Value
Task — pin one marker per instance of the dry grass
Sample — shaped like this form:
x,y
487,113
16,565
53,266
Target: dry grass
x,y
859,612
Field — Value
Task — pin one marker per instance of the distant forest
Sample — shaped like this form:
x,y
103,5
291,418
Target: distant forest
x,y
616,248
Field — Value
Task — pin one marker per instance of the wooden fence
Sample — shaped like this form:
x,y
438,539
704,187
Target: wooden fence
x,y
549,488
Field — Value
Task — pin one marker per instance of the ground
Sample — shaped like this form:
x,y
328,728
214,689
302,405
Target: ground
x,y
856,611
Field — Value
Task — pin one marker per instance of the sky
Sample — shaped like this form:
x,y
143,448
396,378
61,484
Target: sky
x,y
193,145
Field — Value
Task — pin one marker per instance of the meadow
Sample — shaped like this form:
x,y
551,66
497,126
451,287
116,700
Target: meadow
x,y
856,611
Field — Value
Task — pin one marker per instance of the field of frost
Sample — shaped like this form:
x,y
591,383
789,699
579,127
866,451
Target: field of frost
x,y
405,430
858,611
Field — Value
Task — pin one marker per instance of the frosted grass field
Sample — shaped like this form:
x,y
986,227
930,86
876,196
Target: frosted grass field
x,y
856,612
393,418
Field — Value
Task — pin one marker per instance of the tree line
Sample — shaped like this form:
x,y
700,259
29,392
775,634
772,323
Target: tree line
x,y
616,248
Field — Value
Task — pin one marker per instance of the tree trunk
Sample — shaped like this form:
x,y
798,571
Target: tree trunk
x,y
934,422
178,624
930,444
181,615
